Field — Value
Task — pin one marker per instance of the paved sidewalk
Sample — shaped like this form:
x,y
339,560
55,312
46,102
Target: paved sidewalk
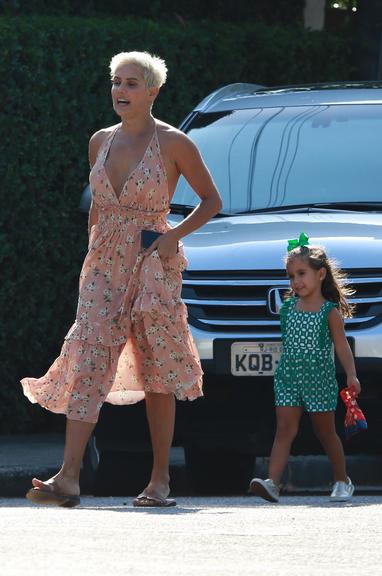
x,y
25,456
236,536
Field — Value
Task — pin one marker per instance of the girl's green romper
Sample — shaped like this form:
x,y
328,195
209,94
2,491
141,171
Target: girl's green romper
x,y
306,373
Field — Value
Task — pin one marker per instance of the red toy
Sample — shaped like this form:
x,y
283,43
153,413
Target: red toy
x,y
354,419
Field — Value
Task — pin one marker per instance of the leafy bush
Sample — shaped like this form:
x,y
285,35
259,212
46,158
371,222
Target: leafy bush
x,y
277,11
57,95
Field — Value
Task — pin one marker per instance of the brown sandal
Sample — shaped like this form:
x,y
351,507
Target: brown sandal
x,y
50,497
143,501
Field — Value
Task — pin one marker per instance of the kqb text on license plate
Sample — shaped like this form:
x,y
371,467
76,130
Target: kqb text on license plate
x,y
255,358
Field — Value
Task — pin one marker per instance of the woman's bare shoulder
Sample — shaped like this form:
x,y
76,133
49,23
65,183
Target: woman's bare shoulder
x,y
167,130
172,137
99,136
96,141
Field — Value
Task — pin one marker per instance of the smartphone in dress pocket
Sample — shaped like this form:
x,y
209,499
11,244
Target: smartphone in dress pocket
x,y
148,237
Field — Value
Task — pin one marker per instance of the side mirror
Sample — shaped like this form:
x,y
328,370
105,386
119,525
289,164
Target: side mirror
x,y
86,200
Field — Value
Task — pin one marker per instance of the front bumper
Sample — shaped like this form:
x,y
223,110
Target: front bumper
x,y
366,344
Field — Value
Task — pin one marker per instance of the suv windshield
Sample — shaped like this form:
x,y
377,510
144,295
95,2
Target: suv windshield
x,y
286,156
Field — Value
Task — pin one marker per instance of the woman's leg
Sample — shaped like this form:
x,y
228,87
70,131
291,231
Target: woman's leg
x,y
160,409
67,479
288,420
325,429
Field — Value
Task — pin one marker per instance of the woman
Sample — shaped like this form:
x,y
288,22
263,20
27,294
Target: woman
x,y
130,339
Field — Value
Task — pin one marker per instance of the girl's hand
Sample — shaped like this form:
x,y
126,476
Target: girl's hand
x,y
353,381
166,245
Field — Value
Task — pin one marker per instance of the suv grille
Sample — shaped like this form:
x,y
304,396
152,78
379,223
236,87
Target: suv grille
x,y
249,300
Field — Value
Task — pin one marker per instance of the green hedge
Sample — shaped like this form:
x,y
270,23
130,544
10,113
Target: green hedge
x,y
276,11
57,95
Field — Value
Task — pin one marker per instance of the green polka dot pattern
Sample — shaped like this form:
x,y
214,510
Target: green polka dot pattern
x,y
306,375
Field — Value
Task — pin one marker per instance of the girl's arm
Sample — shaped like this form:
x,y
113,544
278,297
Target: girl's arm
x,y
342,348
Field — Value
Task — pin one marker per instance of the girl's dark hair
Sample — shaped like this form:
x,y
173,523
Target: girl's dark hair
x,y
335,285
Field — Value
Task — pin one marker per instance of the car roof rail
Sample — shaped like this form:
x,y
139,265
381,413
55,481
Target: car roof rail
x,y
236,89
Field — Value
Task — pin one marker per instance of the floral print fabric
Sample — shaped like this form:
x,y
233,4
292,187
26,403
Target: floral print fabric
x,y
131,334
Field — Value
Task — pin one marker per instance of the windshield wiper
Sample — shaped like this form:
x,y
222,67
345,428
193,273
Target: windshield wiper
x,y
348,206
186,209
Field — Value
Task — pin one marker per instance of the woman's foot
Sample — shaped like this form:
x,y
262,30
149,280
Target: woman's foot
x,y
58,490
156,489
59,484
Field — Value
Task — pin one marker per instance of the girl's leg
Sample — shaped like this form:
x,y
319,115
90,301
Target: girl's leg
x,y
324,427
288,420
67,480
160,409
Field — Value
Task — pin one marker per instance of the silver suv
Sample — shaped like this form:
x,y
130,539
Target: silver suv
x,y
285,160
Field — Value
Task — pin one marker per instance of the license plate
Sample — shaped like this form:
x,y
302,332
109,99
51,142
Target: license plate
x,y
255,358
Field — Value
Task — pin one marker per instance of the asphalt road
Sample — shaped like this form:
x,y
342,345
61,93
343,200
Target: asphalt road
x,y
302,535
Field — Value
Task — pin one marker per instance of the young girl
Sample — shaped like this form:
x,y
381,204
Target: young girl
x,y
311,322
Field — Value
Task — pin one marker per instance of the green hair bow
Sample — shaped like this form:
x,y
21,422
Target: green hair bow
x,y
302,241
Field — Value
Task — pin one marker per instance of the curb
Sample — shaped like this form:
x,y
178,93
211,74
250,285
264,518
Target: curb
x,y
23,457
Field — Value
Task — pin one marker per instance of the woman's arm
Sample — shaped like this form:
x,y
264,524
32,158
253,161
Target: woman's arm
x,y
189,163
342,348
93,217
95,143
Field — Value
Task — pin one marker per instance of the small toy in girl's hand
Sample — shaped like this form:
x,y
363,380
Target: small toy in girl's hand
x,y
354,419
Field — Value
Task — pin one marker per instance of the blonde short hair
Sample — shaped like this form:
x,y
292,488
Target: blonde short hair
x,y
154,69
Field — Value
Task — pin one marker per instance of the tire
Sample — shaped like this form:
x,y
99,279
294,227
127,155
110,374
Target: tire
x,y
122,473
219,472
89,467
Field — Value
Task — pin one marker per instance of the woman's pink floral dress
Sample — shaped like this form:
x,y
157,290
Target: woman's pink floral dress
x,y
131,334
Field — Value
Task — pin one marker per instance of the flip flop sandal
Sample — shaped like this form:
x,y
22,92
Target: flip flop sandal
x,y
50,497
143,501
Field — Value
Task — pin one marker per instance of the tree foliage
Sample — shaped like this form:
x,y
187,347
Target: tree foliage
x,y
277,11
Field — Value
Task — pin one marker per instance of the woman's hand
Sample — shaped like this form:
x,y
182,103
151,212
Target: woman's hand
x,y
167,245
